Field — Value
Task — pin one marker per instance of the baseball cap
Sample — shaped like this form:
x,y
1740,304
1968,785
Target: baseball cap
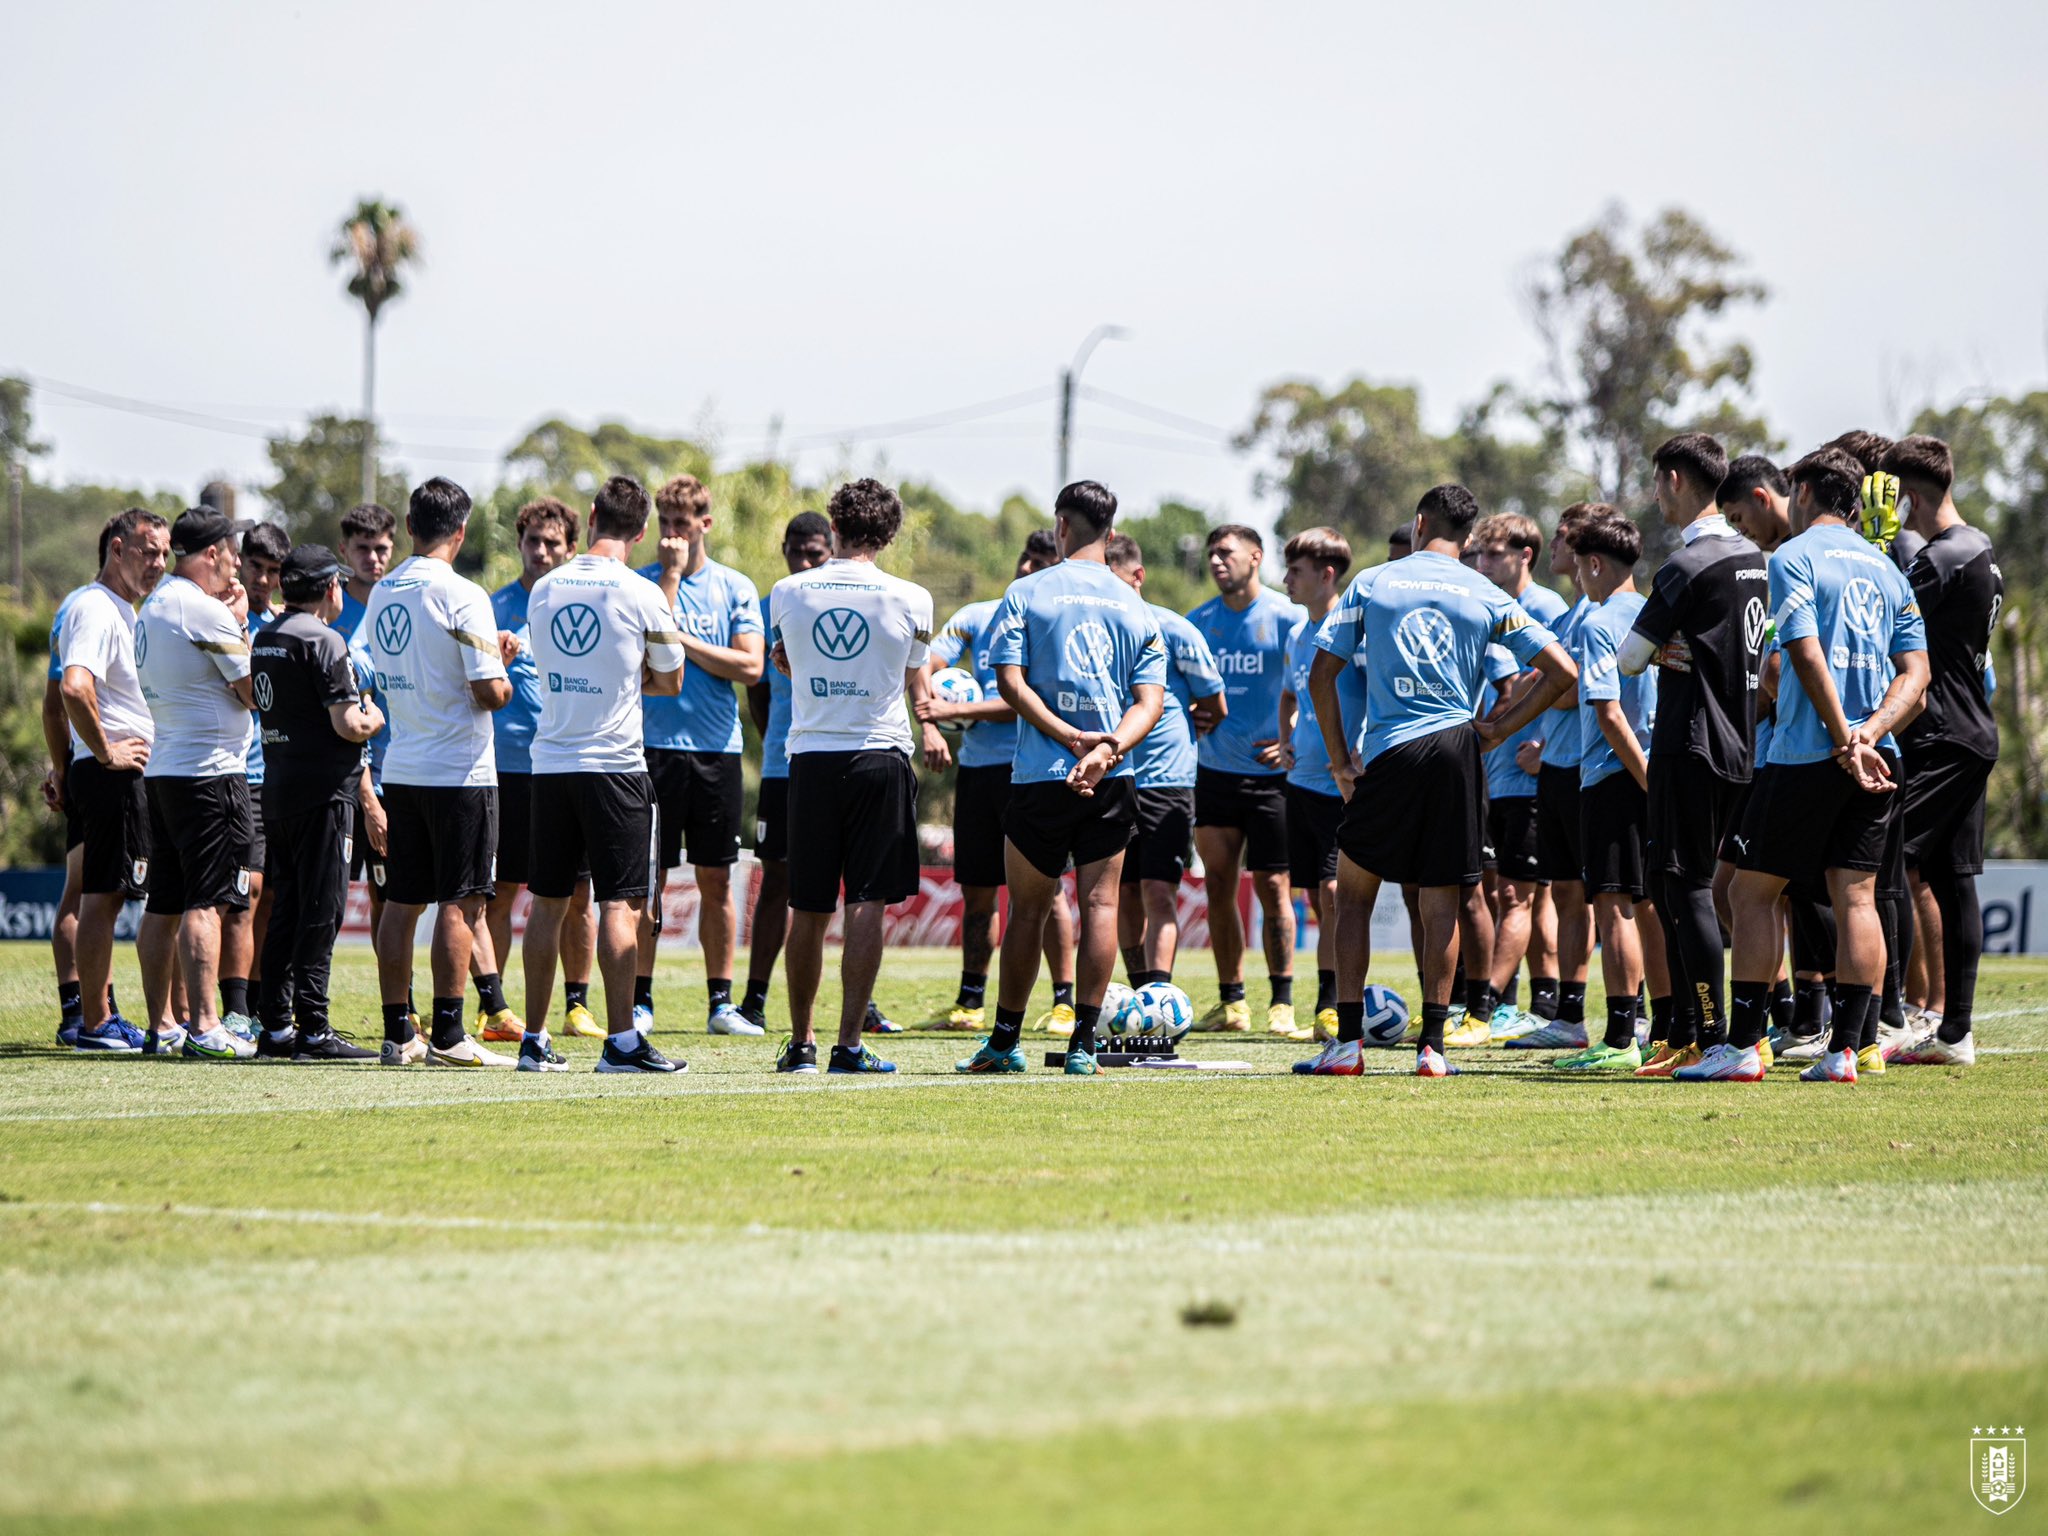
x,y
198,529
307,572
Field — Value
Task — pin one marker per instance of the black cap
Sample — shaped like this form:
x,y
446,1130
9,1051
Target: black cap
x,y
308,571
198,529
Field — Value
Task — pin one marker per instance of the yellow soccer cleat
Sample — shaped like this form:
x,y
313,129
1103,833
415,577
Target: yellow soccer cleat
x,y
1668,1061
961,1020
583,1023
1058,1021
1471,1030
1280,1021
1326,1024
1870,1061
1412,1035
1764,1053
1227,1018
499,1027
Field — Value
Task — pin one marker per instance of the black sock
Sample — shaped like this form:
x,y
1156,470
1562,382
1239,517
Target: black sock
x,y
1326,990
1872,1012
1512,998
398,1021
447,1022
1134,963
720,988
643,992
1781,1006
1283,989
1351,1021
1962,948
1009,1029
756,1000
1231,991
576,994
1809,1003
1063,994
1621,1024
112,1006
1433,1017
1751,1012
973,989
1543,995
1571,1002
412,1004
1085,1020
1459,980
490,991
1480,1000
70,1000
1660,1019
234,995
1850,1005
1147,978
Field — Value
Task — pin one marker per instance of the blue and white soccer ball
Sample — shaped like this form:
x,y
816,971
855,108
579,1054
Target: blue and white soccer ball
x,y
1122,1013
1168,1013
955,685
1386,1016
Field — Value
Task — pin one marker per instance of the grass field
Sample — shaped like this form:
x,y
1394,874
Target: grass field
x,y
263,1298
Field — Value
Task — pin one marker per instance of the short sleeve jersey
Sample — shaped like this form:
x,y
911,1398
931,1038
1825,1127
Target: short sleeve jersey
x,y
595,623
775,738
850,632
963,642
1086,642
716,606
1505,779
1250,647
1598,645
301,670
1563,746
1829,585
513,726
430,634
348,624
1420,627
1311,768
1166,759
253,762
1960,590
99,635
188,649
1706,612
57,632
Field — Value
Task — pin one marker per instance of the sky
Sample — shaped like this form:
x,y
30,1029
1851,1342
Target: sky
x,y
846,219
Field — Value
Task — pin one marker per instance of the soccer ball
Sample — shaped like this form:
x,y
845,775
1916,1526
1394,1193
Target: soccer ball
x,y
955,685
1168,1013
1122,1013
1386,1016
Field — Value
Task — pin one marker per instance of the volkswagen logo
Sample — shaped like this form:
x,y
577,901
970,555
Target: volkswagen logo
x,y
266,697
1424,637
394,629
1089,650
1863,607
840,633
141,643
575,629
1753,625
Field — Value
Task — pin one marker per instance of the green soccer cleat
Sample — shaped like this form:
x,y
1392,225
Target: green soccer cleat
x,y
1601,1057
989,1059
1081,1064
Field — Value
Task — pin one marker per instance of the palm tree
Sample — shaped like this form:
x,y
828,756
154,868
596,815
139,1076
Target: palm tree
x,y
375,243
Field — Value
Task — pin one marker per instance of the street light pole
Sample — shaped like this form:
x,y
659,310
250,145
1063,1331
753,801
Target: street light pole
x,y
1068,379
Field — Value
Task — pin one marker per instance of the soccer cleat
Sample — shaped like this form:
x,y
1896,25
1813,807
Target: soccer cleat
x,y
1081,1064
1933,1051
879,1023
854,1063
1280,1021
1340,1058
1512,1023
582,1023
1870,1061
1786,1046
114,1036
1833,1067
1468,1031
1326,1024
1226,1018
465,1053
1894,1040
326,1046
1764,1053
797,1058
537,1054
1722,1063
1057,1021
409,1052
962,1019
1429,1064
282,1047
67,1031
1557,1035
728,1020
643,1019
1668,1060
642,1058
241,1026
1602,1057
168,1038
989,1059
216,1044
755,1016
500,1028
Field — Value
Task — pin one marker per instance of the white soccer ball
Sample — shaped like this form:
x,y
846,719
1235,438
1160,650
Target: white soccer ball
x,y
955,685
1168,1013
1122,1014
1386,1016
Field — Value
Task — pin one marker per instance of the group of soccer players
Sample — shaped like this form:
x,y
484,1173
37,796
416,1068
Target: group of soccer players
x,y
1788,732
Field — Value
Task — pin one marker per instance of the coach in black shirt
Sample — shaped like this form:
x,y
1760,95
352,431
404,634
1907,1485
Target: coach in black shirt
x,y
314,725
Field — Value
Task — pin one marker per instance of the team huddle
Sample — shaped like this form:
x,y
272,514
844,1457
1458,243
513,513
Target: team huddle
x,y
1786,735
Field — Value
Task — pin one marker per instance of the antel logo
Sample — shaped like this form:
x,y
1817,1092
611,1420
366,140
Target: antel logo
x,y
840,633
394,629
575,629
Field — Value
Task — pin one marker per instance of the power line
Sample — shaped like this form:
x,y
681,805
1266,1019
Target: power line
x,y
1160,414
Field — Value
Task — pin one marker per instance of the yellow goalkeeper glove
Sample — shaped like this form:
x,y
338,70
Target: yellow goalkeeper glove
x,y
1881,509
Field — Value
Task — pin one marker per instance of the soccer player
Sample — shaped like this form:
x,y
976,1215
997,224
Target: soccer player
x,y
368,541
111,730
1163,782
1240,783
607,635
433,644
1080,660
547,531
1317,560
263,549
1414,814
981,792
314,723
192,658
1703,625
1951,747
853,641
1856,649
1508,546
694,740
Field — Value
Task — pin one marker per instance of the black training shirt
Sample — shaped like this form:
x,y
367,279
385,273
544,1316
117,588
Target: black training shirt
x,y
1960,591
301,667
1706,614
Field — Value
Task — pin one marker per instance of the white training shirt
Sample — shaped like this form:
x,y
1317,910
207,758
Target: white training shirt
x,y
594,622
429,634
850,632
188,648
99,635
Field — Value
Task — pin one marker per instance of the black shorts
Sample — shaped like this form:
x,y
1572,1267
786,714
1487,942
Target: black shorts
x,y
1559,855
699,800
257,857
1691,809
1163,824
515,832
113,822
771,821
1511,830
1613,815
1944,809
595,824
1049,823
1808,818
74,824
852,821
980,796
1312,823
365,862
443,840
1252,803
1418,813
199,843
1730,851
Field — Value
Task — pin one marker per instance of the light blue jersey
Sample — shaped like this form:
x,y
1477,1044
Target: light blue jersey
x,y
716,606
513,726
1311,768
57,628
1086,641
252,757
1421,626
1829,584
1250,648
1598,644
1165,759
1563,746
964,642
1505,779
775,739
345,624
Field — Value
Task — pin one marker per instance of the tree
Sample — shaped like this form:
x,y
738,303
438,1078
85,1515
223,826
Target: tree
x,y
558,459
1356,460
17,426
316,478
375,245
